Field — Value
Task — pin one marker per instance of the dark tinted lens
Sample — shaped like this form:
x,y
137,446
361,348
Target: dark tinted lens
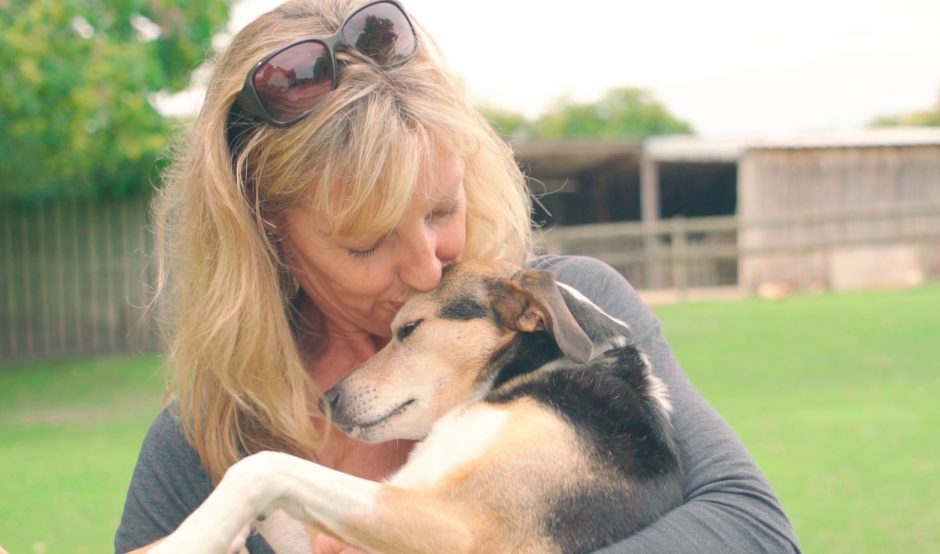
x,y
293,81
382,32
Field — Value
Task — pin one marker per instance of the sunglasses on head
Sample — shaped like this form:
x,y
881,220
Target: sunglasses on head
x,y
288,83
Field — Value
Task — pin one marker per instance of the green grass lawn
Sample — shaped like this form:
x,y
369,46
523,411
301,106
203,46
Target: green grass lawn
x,y
836,396
69,436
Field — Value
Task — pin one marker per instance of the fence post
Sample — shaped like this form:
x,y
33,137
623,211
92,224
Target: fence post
x,y
43,314
26,276
806,237
10,281
60,296
78,320
649,210
678,256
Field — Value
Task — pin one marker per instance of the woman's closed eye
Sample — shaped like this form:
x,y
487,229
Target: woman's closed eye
x,y
442,213
363,253
369,250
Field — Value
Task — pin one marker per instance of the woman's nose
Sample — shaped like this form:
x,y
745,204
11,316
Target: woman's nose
x,y
420,266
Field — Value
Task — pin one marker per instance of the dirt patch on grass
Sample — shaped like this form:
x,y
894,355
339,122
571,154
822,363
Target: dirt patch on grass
x,y
81,415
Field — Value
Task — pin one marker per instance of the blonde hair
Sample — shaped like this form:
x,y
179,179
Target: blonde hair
x,y
236,370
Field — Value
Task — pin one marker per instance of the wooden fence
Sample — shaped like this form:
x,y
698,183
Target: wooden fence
x,y
682,255
73,275
72,280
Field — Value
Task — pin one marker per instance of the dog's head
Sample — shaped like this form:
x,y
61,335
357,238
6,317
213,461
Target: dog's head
x,y
445,345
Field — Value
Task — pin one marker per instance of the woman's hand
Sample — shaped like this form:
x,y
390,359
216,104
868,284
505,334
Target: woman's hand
x,y
325,544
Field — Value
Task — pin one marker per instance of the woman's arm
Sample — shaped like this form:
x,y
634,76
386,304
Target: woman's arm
x,y
729,505
168,484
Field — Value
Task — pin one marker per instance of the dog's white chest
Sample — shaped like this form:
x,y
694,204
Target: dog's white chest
x,y
459,437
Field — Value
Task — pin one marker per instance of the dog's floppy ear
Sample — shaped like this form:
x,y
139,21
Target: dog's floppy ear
x,y
531,301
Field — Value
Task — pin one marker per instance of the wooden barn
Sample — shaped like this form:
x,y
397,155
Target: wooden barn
x,y
822,211
842,212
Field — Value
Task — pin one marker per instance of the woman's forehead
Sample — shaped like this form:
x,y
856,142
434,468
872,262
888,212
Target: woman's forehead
x,y
443,174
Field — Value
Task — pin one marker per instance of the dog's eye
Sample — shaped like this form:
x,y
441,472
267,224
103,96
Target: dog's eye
x,y
407,329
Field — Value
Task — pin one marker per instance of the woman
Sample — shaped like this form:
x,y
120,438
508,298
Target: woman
x,y
324,182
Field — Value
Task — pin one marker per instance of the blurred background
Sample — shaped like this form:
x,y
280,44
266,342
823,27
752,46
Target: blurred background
x,y
767,176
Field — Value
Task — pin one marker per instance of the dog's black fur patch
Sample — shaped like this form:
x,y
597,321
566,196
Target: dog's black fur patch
x,y
463,308
524,354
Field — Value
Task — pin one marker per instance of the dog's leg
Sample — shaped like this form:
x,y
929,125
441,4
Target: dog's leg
x,y
221,524
366,514
285,534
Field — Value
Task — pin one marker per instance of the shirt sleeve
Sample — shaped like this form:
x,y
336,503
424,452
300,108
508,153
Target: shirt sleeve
x,y
167,485
729,505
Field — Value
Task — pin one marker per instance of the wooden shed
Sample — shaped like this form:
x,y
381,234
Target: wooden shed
x,y
855,210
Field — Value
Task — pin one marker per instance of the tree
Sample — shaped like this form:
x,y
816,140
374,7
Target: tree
x,y
923,118
511,125
620,113
75,87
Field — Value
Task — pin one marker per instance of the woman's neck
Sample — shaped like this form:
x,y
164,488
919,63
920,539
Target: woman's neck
x,y
332,348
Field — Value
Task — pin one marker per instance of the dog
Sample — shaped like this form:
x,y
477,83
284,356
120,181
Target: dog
x,y
543,430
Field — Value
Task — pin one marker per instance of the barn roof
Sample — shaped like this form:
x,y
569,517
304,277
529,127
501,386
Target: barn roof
x,y
685,148
865,138
552,158
698,149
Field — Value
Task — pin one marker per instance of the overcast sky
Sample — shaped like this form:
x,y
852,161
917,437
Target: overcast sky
x,y
732,68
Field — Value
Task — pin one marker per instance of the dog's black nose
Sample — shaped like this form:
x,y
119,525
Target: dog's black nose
x,y
329,400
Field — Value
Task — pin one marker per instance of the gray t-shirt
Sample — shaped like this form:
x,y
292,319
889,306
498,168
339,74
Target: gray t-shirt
x,y
729,505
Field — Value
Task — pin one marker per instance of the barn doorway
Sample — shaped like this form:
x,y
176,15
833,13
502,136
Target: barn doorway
x,y
697,189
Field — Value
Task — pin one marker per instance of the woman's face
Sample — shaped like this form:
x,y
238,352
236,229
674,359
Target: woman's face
x,y
360,286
